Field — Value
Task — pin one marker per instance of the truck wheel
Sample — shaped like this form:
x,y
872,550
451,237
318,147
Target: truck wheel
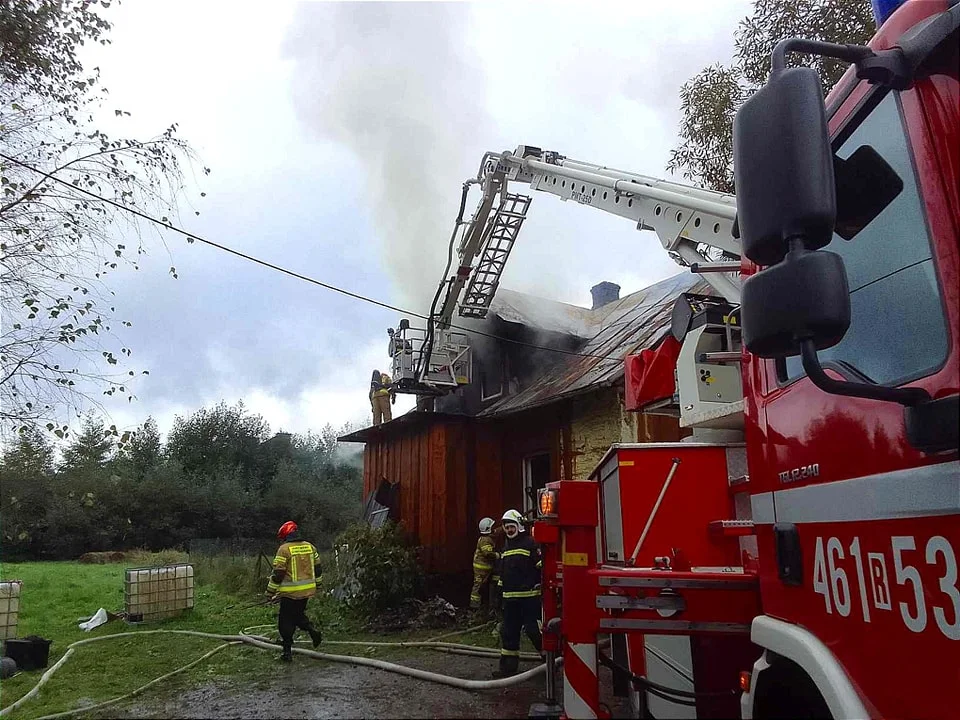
x,y
785,691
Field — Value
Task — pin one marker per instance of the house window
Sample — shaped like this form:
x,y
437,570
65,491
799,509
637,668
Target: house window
x,y
536,475
491,378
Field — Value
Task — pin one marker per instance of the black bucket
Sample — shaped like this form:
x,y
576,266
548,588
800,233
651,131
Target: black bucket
x,y
30,653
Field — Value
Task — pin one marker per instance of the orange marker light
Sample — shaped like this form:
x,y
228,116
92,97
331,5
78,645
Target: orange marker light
x,y
547,503
745,681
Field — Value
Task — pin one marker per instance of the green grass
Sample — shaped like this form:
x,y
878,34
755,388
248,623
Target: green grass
x,y
56,594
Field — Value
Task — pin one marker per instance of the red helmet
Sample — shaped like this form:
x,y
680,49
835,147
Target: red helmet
x,y
286,529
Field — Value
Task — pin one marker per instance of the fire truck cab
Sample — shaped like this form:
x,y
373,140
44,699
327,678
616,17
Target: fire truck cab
x,y
852,447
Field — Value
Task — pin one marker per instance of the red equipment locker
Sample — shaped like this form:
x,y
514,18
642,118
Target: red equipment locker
x,y
632,477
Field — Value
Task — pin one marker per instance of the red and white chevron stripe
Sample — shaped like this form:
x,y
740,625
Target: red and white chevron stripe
x,y
581,690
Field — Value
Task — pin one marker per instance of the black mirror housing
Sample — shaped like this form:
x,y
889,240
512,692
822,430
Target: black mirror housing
x,y
783,167
804,298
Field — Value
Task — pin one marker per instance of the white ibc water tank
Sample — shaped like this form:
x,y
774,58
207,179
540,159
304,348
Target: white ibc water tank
x,y
157,592
9,608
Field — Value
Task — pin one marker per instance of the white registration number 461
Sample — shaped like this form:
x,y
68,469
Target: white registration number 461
x,y
873,583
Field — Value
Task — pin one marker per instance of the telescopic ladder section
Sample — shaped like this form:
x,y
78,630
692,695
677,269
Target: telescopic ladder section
x,y
499,236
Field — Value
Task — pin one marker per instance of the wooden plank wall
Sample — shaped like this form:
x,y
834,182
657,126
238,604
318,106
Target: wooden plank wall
x,y
527,434
429,463
454,472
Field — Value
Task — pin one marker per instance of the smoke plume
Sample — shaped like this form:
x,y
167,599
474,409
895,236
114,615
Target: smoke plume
x,y
392,82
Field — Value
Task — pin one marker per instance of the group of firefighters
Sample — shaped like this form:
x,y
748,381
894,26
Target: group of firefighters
x,y
508,581
505,581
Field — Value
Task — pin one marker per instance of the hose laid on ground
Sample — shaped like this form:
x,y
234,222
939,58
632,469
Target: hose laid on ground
x,y
263,644
134,693
461,632
454,648
70,648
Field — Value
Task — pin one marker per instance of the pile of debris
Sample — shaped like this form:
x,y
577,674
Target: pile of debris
x,y
432,614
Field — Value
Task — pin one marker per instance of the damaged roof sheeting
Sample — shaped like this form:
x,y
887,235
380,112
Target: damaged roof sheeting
x,y
546,315
624,327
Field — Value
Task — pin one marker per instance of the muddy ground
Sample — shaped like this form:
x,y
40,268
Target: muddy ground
x,y
312,689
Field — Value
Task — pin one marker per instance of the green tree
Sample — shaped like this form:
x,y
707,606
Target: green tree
x,y
710,99
89,449
26,475
220,437
144,450
58,347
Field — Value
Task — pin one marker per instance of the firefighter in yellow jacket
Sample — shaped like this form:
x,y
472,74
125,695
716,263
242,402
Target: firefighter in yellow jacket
x,y
296,572
484,558
381,396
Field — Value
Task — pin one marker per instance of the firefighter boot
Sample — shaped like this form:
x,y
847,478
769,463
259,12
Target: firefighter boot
x,y
509,666
317,637
287,654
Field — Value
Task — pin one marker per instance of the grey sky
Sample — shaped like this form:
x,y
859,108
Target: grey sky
x,y
338,136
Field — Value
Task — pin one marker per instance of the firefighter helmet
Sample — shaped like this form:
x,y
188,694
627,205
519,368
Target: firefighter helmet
x,y
288,528
486,526
513,516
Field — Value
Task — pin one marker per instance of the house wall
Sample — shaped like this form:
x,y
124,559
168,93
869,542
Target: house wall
x,y
595,424
429,463
453,472
522,435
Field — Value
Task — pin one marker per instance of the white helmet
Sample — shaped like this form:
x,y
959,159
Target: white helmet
x,y
486,526
512,516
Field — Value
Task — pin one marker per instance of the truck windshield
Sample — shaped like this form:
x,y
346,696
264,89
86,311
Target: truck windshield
x,y
898,330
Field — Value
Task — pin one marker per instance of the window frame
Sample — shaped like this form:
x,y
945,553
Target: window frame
x,y
527,473
483,391
857,117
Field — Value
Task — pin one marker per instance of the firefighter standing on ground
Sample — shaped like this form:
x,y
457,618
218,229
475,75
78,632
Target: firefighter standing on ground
x,y
520,566
484,558
296,572
380,397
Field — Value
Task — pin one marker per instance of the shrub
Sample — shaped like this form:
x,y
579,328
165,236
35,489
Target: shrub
x,y
380,567
236,575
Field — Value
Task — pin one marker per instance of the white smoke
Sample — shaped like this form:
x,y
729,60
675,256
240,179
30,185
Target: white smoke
x,y
393,83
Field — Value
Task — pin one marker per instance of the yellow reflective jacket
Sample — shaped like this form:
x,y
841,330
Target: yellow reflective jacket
x,y
293,570
385,386
485,555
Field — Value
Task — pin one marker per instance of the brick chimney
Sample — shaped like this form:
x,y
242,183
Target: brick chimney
x,y
604,293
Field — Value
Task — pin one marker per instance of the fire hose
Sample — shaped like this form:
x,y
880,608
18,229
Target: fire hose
x,y
264,644
674,695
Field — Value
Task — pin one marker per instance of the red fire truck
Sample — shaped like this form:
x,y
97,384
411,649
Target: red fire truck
x,y
813,565
796,556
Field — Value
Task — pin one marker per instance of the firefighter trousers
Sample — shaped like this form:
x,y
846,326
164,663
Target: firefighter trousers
x,y
480,593
382,412
519,614
293,615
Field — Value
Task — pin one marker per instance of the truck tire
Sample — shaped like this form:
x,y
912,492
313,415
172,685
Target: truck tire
x,y
785,691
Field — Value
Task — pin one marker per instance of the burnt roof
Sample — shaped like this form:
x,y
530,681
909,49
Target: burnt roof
x,y
624,327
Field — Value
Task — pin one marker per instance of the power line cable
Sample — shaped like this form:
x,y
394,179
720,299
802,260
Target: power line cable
x,y
299,276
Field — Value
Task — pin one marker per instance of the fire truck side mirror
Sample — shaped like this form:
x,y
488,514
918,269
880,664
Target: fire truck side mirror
x,y
783,167
805,297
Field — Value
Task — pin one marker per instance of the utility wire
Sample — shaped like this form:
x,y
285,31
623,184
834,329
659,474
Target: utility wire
x,y
299,276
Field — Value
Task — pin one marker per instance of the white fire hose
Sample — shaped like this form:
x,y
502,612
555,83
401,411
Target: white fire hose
x,y
264,644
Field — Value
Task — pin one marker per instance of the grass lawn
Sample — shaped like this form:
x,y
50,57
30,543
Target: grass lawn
x,y
56,594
